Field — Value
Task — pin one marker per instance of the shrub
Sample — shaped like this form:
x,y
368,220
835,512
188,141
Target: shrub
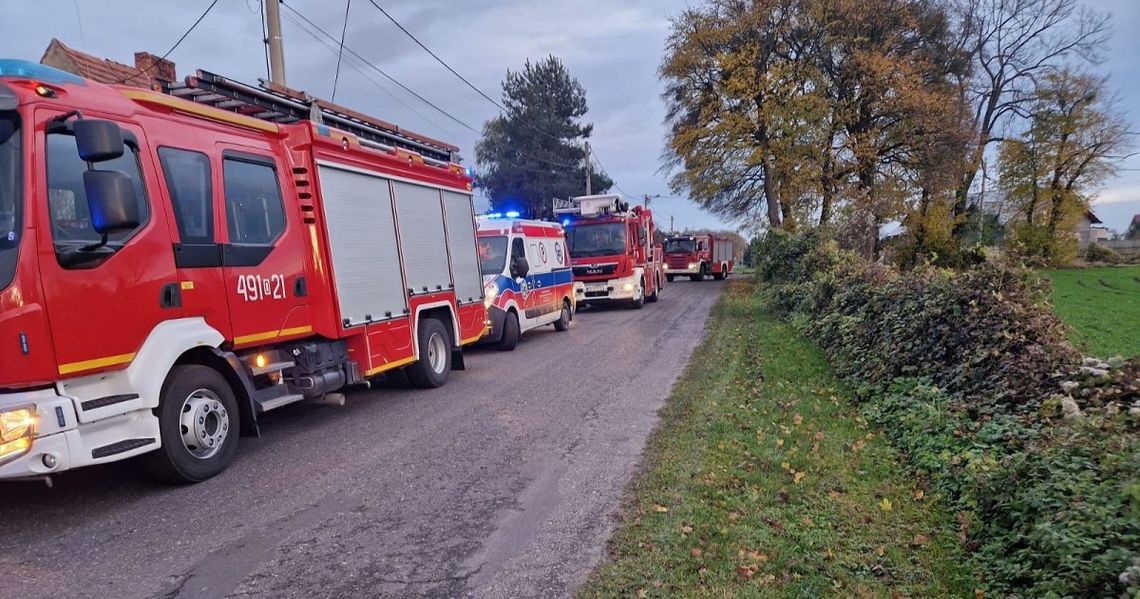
x,y
970,375
1100,253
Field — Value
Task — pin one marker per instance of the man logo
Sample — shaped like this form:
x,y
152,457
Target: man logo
x,y
558,252
542,252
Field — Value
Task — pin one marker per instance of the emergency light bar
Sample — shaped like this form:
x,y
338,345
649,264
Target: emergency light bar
x,y
591,205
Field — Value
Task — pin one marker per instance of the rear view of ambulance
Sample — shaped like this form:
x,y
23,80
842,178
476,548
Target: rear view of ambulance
x,y
527,277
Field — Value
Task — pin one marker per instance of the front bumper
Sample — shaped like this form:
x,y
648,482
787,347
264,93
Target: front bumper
x,y
623,289
690,269
69,444
497,316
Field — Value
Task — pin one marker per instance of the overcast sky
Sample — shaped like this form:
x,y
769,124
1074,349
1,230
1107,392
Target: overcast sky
x,y
612,47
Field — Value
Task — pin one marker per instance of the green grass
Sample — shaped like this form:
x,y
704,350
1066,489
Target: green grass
x,y
1101,307
763,480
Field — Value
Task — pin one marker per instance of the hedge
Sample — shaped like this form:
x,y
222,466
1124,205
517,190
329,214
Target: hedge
x,y
969,373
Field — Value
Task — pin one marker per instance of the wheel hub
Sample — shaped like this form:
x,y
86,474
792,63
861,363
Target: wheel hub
x,y
205,424
437,353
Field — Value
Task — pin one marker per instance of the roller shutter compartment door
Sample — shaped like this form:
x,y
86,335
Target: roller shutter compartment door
x,y
420,215
362,238
461,239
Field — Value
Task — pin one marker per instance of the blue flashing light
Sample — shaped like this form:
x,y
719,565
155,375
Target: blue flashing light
x,y
470,171
494,215
38,72
565,222
513,214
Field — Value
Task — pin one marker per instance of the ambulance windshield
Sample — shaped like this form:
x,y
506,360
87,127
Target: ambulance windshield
x,y
680,246
587,240
11,191
493,254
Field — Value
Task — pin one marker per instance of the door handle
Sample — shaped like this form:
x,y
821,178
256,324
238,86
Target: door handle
x,y
171,296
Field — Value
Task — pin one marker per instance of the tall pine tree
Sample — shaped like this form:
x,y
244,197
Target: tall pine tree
x,y
534,152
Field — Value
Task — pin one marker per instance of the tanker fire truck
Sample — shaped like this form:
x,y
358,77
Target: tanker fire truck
x,y
611,249
698,256
174,263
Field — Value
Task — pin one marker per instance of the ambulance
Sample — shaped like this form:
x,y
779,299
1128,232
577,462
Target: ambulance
x,y
528,280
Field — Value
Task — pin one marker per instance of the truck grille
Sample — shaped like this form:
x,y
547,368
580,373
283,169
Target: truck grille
x,y
677,261
593,271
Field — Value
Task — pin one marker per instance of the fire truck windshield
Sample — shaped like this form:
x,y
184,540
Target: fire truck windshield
x,y
587,240
493,254
680,246
11,192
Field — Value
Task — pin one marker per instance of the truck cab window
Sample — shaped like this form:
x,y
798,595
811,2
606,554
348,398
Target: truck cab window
x,y
255,213
191,192
11,194
67,199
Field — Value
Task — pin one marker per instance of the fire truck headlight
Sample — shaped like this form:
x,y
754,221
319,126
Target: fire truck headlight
x,y
490,292
627,287
692,265
17,428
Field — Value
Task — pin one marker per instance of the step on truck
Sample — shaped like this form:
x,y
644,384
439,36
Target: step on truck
x,y
527,278
611,249
176,262
699,256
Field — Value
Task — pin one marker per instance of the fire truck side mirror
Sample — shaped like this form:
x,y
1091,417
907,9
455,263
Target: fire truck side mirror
x,y
111,201
98,141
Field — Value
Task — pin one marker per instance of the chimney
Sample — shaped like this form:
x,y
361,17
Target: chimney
x,y
154,67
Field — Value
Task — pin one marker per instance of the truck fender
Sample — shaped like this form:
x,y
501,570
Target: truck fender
x,y
139,385
238,376
432,306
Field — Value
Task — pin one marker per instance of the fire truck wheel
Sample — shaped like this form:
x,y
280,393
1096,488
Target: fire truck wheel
x,y
511,332
563,323
653,297
670,278
198,421
431,370
719,276
639,300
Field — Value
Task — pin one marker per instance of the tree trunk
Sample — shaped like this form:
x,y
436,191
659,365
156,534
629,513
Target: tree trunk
x,y
772,195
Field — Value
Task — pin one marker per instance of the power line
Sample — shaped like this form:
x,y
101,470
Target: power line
x,y
340,52
355,63
602,167
379,70
156,63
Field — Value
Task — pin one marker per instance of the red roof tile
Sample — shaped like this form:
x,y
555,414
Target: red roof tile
x,y
100,69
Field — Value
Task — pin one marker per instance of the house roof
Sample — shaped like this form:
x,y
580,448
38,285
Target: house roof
x,y
1092,218
97,69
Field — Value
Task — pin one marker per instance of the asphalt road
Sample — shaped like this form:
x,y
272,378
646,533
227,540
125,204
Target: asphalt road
x,y
501,484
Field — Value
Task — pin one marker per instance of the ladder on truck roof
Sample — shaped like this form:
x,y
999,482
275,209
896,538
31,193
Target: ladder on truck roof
x,y
279,104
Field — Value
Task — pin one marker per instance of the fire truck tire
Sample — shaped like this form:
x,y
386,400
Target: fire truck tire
x,y
719,276
431,370
511,332
397,379
199,424
563,322
639,301
653,297
670,278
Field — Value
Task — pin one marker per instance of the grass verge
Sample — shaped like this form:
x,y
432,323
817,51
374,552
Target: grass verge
x,y
1101,307
763,480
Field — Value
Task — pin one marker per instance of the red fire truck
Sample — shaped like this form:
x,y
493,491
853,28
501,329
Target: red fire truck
x,y
611,249
698,256
175,263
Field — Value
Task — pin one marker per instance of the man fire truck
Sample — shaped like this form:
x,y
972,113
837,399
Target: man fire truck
x,y
699,256
174,264
611,249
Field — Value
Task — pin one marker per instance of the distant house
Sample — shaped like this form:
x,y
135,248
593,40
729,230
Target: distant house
x,y
1133,229
149,70
1090,229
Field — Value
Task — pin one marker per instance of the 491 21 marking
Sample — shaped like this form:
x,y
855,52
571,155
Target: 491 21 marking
x,y
255,288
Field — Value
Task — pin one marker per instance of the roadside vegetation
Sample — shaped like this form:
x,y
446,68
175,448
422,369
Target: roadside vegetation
x,y
971,376
1101,306
765,480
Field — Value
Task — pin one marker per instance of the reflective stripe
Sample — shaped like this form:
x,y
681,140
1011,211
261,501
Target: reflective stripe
x,y
74,367
272,335
390,366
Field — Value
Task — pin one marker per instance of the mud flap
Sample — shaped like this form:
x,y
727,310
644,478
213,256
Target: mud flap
x,y
457,360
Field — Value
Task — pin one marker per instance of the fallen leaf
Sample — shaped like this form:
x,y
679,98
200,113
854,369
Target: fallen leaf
x,y
919,540
885,504
819,436
797,419
807,521
799,476
858,445
745,573
695,552
979,594
780,442
834,494
642,593
782,494
919,494
686,529
882,550
733,515
702,571
786,466
758,556
659,508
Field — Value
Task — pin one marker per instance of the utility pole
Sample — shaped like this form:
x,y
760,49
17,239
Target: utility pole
x,y
671,229
649,198
589,187
276,48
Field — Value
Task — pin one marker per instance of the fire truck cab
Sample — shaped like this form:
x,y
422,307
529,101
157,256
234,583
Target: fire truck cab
x,y
527,277
174,264
611,249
